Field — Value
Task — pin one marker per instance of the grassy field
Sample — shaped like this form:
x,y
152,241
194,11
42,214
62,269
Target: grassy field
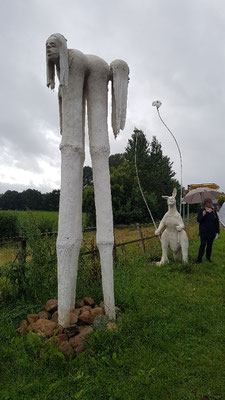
x,y
39,215
169,343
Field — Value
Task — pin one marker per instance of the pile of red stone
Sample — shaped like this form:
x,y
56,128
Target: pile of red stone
x,y
69,340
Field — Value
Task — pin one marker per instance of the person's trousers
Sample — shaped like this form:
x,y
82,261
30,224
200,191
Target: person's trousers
x,y
206,241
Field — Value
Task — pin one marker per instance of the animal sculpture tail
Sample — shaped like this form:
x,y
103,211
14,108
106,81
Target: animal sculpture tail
x,y
120,78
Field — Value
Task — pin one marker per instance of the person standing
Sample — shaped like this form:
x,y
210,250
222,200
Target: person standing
x,y
208,229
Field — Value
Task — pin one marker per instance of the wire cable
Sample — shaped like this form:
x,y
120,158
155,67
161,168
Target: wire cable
x,y
157,104
139,184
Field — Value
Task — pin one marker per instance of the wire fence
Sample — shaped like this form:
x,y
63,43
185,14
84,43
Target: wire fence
x,y
16,247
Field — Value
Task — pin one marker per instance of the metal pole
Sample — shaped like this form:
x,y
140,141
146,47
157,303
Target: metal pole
x,y
188,212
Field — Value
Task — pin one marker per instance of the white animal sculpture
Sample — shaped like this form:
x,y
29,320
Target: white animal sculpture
x,y
84,79
174,235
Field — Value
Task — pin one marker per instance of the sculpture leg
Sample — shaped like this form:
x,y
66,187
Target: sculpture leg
x,y
184,245
99,149
164,245
70,209
69,231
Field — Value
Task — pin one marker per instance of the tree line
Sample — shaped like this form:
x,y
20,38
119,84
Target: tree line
x,y
155,174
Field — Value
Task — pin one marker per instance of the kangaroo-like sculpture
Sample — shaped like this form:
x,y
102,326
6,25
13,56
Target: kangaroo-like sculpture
x,y
174,235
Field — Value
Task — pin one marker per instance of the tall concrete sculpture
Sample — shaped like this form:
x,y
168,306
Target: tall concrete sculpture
x,y
174,235
84,79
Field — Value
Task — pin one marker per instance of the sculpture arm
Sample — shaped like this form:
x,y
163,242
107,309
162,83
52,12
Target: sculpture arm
x,y
200,216
160,228
51,84
180,227
120,78
60,108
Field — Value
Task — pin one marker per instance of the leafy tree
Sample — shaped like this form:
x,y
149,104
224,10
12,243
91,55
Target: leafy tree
x,y
87,177
89,205
154,169
156,178
32,199
139,144
51,200
128,205
115,160
11,200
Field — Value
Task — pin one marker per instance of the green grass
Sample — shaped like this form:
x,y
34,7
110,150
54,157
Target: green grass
x,y
169,344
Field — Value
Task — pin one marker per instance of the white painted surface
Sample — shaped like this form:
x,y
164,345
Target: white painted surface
x,y
84,78
174,235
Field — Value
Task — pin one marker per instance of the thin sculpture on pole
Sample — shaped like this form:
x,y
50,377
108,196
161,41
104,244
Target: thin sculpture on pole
x,y
83,79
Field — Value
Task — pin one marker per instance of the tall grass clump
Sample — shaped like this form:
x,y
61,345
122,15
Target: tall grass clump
x,y
9,225
36,277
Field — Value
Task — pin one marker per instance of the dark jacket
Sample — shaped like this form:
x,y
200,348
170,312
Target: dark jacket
x,y
208,224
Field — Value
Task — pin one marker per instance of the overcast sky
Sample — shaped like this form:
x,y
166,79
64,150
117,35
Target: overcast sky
x,y
176,53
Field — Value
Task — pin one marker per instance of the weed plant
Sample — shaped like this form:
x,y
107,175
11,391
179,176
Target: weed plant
x,y
35,278
169,342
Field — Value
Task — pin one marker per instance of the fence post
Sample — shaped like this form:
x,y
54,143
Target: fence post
x,y
141,237
22,245
115,258
94,261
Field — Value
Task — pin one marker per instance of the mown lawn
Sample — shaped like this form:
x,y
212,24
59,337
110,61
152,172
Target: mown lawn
x,y
169,342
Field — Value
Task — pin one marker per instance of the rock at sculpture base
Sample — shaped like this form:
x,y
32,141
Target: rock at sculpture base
x,y
70,341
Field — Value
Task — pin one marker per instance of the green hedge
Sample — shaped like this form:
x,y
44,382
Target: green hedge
x,y
9,226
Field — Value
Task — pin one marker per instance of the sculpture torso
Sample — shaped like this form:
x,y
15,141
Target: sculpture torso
x,y
88,63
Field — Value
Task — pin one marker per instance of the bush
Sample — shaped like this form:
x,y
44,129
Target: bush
x,y
221,200
9,225
36,278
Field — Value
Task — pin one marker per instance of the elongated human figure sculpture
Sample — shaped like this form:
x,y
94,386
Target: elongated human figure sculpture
x,y
174,235
84,79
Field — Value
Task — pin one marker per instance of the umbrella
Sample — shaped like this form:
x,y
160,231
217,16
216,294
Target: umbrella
x,y
200,194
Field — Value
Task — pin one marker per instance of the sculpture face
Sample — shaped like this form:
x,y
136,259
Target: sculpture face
x,y
171,201
52,49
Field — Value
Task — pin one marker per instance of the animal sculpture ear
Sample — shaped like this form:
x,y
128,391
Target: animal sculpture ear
x,y
174,192
165,197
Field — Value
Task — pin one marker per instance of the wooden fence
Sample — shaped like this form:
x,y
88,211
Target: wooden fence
x,y
22,244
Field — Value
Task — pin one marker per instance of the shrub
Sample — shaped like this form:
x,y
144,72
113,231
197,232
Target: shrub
x,y
221,200
36,278
9,225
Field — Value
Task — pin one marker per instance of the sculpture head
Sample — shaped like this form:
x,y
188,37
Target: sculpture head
x,y
57,57
171,200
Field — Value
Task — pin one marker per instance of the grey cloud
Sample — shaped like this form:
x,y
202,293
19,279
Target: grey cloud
x,y
176,54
